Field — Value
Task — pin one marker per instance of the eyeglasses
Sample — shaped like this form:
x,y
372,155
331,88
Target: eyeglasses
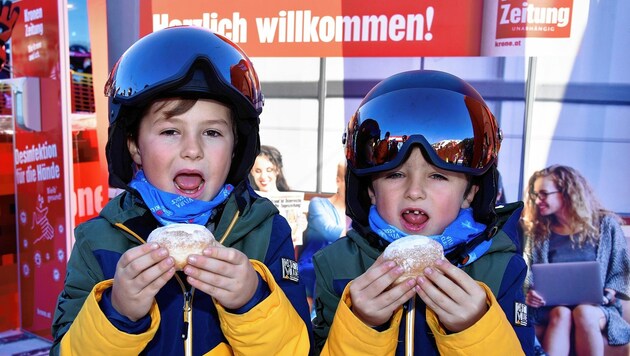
x,y
542,195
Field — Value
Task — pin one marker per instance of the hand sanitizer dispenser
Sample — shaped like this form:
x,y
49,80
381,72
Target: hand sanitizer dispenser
x,y
26,103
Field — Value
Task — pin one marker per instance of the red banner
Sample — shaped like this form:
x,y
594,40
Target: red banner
x,y
331,28
39,163
397,28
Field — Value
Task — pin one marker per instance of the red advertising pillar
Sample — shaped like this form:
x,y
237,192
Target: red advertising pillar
x,y
43,160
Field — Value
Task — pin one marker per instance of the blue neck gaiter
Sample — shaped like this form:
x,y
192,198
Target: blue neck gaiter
x,y
169,208
462,230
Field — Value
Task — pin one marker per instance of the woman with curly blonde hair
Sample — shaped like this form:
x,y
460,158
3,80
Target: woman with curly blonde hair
x,y
563,221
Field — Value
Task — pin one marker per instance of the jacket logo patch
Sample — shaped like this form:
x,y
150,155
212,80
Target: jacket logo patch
x,y
290,270
520,314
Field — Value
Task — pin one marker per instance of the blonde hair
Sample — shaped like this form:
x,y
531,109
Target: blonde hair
x,y
583,209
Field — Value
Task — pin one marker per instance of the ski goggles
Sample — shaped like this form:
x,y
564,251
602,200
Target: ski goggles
x,y
163,60
458,132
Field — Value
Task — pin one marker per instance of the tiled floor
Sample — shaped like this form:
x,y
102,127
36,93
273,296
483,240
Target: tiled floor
x,y
18,343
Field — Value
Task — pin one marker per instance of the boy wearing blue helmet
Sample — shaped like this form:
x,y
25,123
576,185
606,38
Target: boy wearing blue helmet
x,y
185,105
437,179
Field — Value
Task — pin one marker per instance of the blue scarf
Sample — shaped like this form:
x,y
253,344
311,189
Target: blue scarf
x,y
463,229
169,208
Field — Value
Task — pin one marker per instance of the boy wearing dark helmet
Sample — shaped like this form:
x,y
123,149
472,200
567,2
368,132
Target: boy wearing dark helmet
x,y
185,105
438,180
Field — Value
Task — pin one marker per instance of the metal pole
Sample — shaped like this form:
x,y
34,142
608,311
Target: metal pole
x,y
410,326
530,97
321,98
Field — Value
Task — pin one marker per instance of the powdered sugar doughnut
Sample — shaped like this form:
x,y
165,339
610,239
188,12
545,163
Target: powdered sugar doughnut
x,y
182,240
413,253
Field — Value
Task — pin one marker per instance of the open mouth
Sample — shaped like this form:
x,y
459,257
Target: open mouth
x,y
414,219
189,184
415,216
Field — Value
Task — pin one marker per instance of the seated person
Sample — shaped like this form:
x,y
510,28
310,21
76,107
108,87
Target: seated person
x,y
563,221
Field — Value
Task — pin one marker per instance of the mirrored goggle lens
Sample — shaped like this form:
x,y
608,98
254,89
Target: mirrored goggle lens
x,y
156,63
459,133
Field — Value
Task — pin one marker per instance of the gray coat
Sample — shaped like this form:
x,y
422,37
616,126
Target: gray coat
x,y
612,255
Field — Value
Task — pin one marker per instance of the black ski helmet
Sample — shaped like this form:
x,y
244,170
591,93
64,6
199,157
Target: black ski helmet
x,y
440,112
184,61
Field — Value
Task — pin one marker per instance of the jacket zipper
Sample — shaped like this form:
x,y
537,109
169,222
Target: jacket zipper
x,y
187,314
187,334
188,295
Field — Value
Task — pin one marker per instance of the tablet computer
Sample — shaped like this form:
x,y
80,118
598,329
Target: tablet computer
x,y
568,283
